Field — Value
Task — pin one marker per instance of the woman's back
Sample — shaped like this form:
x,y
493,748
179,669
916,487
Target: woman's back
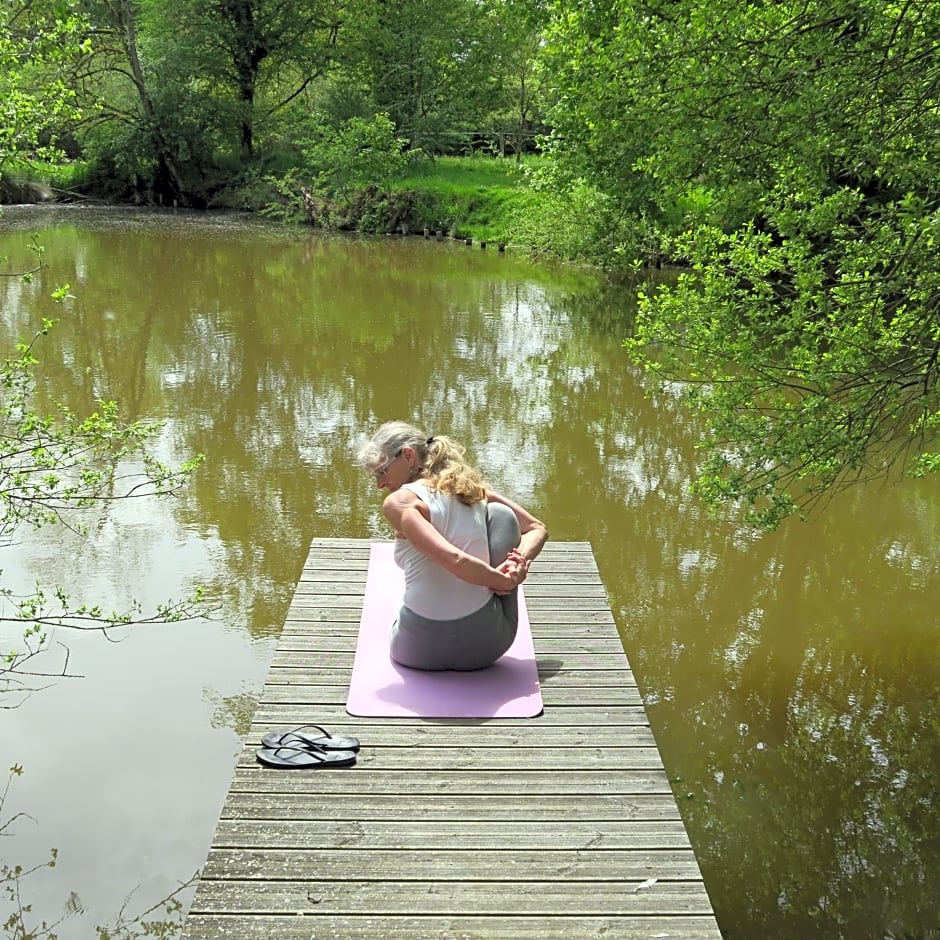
x,y
431,591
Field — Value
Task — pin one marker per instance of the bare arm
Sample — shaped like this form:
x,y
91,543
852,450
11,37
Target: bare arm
x,y
411,518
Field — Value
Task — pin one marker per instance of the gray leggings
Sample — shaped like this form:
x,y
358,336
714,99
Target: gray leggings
x,y
474,641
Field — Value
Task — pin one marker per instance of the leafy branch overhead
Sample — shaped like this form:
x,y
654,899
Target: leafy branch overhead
x,y
52,465
54,469
786,154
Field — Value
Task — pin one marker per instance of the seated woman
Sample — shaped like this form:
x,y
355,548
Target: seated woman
x,y
464,551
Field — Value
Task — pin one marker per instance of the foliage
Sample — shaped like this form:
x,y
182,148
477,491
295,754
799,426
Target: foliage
x,y
52,467
181,99
802,140
40,47
575,221
431,65
346,174
357,154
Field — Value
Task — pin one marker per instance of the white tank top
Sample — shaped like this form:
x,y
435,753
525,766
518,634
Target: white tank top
x,y
430,591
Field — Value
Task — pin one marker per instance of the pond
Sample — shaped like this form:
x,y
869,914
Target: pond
x,y
792,679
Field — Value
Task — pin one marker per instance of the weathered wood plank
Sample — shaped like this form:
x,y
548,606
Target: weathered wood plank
x,y
547,646
443,834
299,692
442,782
468,805
560,677
481,736
486,737
336,863
497,758
367,926
343,659
560,714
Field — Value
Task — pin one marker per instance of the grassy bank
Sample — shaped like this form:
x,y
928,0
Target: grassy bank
x,y
34,181
495,200
479,197
482,198
476,197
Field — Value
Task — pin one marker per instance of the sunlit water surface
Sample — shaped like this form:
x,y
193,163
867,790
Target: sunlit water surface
x,y
792,680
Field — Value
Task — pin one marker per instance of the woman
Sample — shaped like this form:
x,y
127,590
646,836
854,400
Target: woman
x,y
464,551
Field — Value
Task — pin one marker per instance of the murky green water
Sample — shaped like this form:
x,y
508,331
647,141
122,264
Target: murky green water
x,y
793,680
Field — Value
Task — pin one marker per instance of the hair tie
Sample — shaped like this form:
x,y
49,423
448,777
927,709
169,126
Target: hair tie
x,y
429,441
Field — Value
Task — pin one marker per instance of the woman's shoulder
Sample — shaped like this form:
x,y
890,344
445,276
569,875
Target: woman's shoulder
x,y
399,499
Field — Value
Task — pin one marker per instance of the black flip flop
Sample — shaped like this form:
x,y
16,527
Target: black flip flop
x,y
303,758
300,737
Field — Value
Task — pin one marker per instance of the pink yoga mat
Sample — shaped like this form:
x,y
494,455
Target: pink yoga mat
x,y
380,688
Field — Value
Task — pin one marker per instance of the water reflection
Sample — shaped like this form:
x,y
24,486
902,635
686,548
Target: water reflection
x,y
792,679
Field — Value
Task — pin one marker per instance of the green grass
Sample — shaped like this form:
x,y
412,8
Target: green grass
x,y
479,196
465,174
57,175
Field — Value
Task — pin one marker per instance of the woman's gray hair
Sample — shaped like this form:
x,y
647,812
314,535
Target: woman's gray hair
x,y
388,441
441,460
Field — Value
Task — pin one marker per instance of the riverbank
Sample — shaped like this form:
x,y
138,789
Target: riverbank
x,y
482,199
487,200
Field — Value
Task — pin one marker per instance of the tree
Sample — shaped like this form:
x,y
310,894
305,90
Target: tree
x,y
785,153
118,48
515,111
429,64
256,55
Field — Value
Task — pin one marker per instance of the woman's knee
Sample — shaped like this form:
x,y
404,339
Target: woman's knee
x,y
502,531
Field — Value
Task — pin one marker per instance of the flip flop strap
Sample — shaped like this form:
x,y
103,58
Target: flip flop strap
x,y
323,731
306,749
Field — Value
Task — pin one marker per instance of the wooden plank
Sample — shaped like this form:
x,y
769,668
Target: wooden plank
x,y
442,834
487,736
338,863
335,666
367,926
300,692
439,783
564,825
467,805
472,758
329,712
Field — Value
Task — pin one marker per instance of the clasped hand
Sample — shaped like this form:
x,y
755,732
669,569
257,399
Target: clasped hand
x,y
516,567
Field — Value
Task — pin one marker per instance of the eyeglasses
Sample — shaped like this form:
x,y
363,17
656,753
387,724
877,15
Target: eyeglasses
x,y
380,471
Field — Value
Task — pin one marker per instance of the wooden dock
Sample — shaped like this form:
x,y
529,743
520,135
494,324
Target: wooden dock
x,y
559,826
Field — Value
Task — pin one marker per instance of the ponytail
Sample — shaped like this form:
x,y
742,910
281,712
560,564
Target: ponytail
x,y
448,472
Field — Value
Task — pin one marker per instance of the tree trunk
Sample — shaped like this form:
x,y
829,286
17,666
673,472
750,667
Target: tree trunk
x,y
168,184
